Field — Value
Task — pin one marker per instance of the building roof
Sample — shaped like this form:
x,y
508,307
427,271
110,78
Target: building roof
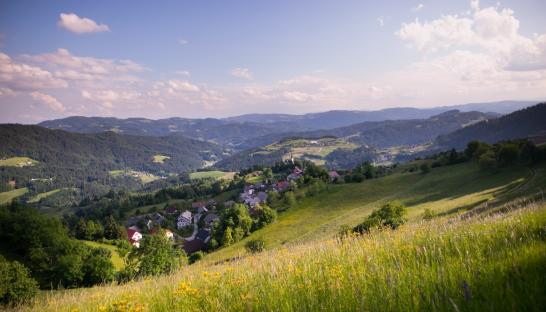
x,y
193,246
185,215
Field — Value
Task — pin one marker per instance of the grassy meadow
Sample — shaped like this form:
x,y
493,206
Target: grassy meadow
x,y
7,197
159,159
215,174
445,190
17,162
116,258
491,262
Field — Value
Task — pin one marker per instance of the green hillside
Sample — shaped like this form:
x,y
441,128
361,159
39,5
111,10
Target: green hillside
x,y
445,190
484,263
6,197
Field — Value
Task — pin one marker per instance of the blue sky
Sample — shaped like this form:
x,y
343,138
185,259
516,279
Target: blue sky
x,y
220,58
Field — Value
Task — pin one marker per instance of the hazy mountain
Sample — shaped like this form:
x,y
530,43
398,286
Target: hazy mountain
x,y
340,118
235,131
520,124
386,133
367,135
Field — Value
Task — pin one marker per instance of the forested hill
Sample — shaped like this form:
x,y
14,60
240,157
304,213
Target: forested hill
x,y
524,123
105,150
93,164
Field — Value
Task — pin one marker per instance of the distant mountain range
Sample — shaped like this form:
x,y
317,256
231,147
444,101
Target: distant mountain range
x,y
369,135
340,118
239,132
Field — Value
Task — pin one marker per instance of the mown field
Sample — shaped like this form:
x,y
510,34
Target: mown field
x,y
17,162
6,197
485,263
116,258
215,174
445,190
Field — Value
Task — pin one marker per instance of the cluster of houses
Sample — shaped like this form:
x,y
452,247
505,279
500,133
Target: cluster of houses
x,y
252,196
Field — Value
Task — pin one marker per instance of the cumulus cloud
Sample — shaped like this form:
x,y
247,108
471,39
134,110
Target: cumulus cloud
x,y
183,41
241,73
381,21
490,29
80,25
21,76
48,100
70,67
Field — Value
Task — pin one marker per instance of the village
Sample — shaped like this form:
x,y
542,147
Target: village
x,y
198,220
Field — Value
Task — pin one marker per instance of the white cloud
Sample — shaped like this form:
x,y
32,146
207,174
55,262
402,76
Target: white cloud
x,y
21,76
71,67
48,100
418,7
80,25
183,41
6,92
241,73
175,86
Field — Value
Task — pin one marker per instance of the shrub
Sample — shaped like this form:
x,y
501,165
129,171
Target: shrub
x,y
425,168
16,285
429,214
196,256
255,246
391,214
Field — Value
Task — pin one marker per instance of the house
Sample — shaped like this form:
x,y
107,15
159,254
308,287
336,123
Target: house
x,y
171,210
12,183
211,218
333,175
134,236
203,235
262,196
193,246
211,204
282,186
296,173
184,219
198,205
169,234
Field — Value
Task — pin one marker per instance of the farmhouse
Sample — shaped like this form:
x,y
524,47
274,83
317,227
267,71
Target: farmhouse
x,y
134,236
184,219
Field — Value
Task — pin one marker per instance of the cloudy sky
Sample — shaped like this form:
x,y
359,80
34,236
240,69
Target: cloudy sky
x,y
221,58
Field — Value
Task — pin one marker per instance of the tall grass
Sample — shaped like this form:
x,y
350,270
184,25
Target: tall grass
x,y
491,263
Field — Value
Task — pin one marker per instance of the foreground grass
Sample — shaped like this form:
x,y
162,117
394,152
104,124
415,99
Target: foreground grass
x,y
7,197
489,263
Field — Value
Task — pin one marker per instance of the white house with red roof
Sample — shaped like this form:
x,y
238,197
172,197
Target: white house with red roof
x,y
134,236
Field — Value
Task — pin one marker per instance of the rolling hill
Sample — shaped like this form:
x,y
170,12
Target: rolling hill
x,y
520,124
495,257
367,135
85,161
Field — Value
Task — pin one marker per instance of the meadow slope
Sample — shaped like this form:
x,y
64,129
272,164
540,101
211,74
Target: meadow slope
x,y
445,190
485,263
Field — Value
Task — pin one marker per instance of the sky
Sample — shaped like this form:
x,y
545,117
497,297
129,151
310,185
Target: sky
x,y
160,59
